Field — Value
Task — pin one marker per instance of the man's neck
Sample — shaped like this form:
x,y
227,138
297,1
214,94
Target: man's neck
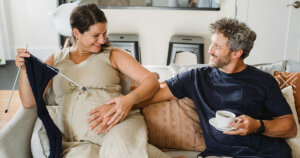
x,y
234,67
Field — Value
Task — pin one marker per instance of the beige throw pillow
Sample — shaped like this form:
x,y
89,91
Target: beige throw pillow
x,y
293,142
40,147
174,125
290,79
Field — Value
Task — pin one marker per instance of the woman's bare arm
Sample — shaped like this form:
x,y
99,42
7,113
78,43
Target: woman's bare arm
x,y
25,91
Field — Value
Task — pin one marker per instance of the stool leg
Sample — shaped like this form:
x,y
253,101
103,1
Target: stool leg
x,y
173,55
137,52
200,54
169,54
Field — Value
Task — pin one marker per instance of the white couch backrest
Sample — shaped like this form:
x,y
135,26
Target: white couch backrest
x,y
166,72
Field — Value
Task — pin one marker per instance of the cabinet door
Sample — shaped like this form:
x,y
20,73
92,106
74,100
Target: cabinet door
x,y
277,28
293,33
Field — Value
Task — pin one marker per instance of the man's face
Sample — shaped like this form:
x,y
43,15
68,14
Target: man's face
x,y
219,51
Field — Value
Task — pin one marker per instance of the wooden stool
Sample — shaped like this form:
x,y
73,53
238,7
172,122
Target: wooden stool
x,y
127,42
193,44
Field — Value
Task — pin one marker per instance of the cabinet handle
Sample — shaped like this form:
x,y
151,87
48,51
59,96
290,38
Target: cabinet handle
x,y
295,5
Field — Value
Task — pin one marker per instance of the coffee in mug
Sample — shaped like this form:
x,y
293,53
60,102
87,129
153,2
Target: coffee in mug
x,y
224,117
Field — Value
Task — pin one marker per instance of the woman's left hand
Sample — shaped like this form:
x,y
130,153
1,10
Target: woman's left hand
x,y
96,117
118,106
121,109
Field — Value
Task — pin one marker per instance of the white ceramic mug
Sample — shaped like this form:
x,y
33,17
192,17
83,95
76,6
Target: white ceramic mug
x,y
224,117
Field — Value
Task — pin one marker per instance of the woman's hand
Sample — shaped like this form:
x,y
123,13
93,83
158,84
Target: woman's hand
x,y
109,114
123,106
21,54
96,117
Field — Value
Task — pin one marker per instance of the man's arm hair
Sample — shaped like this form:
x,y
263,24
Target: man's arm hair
x,y
163,94
282,127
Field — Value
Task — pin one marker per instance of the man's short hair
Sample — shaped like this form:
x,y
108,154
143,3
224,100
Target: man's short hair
x,y
239,35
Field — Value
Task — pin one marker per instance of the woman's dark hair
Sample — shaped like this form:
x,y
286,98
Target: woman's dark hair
x,y
239,35
85,15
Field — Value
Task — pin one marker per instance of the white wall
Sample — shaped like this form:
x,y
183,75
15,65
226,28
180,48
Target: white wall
x,y
31,25
4,36
270,20
155,27
292,45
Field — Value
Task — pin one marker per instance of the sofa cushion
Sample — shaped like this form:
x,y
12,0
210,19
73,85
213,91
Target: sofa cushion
x,y
271,67
39,141
174,125
40,147
292,66
177,69
293,142
187,154
290,79
163,71
125,82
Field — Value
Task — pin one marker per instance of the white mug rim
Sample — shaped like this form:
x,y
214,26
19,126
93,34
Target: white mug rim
x,y
232,115
223,121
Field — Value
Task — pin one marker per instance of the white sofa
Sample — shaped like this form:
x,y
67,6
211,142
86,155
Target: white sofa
x,y
15,137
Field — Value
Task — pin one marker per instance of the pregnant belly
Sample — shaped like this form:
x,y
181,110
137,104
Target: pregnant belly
x,y
76,113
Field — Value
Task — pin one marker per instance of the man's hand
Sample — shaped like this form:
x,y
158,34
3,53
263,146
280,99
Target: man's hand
x,y
246,126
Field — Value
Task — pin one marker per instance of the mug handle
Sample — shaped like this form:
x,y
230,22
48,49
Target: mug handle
x,y
237,120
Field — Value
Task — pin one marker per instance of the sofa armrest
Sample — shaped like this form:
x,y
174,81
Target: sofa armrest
x,y
16,135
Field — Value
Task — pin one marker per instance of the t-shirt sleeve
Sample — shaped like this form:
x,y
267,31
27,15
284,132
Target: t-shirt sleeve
x,y
275,101
179,84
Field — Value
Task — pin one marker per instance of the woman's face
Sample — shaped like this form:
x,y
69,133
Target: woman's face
x,y
92,39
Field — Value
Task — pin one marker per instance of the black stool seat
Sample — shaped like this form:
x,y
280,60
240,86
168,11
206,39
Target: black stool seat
x,y
193,44
127,42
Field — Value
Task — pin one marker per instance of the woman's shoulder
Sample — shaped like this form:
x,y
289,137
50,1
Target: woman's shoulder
x,y
116,50
119,56
49,59
60,55
107,51
119,52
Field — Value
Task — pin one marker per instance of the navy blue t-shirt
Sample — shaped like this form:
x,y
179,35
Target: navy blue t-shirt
x,y
251,92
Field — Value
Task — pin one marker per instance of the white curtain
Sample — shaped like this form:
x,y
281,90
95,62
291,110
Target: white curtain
x,y
4,38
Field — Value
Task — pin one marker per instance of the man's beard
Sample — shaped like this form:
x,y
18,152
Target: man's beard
x,y
220,62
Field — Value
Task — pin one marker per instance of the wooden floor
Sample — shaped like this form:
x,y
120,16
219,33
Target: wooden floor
x,y
14,106
8,74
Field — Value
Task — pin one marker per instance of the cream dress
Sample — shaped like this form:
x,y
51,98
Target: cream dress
x,y
127,139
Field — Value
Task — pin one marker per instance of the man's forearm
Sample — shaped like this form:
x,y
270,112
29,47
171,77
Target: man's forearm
x,y
282,127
